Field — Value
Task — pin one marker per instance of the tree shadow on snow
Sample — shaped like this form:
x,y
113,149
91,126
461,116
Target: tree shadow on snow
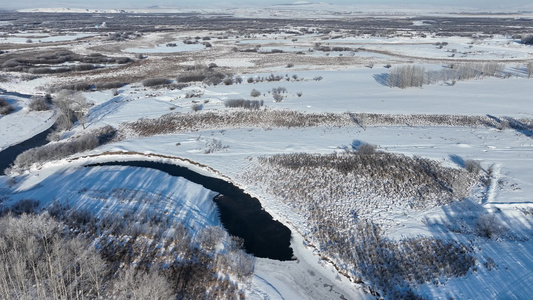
x,y
382,78
517,125
459,161
99,112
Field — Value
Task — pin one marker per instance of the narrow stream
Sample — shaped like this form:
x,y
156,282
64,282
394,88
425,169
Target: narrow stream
x,y
241,214
8,155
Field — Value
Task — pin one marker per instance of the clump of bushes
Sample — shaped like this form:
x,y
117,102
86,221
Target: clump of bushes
x,y
528,40
365,149
40,102
489,226
214,145
155,82
206,74
78,86
73,107
55,151
473,166
255,93
5,107
248,104
38,63
197,107
108,85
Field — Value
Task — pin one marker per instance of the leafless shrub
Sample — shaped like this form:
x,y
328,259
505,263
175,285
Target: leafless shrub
x,y
228,81
80,86
137,284
155,82
273,77
473,166
490,264
365,149
60,150
490,227
54,136
181,85
241,263
5,107
279,90
214,145
248,104
210,236
205,74
25,206
83,67
73,107
197,107
194,94
277,97
40,103
527,40
255,93
108,85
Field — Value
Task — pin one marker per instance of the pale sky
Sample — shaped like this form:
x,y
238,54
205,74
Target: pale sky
x,y
480,4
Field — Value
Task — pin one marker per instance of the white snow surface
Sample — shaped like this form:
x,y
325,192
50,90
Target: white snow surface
x,y
117,190
352,88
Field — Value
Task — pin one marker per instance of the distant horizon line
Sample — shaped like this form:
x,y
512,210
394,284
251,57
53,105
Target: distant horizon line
x,y
516,9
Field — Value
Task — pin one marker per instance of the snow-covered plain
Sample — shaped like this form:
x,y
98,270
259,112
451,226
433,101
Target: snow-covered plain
x,y
341,89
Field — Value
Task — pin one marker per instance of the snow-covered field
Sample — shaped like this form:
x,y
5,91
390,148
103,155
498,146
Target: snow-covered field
x,y
504,263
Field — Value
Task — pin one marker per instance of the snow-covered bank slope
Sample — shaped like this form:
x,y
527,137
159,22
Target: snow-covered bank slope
x,y
119,191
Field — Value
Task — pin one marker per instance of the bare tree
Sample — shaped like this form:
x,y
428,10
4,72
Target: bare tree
x,y
210,237
38,260
81,107
139,285
73,106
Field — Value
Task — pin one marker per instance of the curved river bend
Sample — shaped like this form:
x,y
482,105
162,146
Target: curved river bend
x,y
240,213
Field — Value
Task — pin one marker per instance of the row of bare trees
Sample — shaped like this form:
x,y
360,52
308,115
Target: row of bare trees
x,y
405,76
65,253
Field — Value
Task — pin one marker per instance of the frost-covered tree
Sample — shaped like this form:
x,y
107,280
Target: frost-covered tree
x,y
210,237
73,106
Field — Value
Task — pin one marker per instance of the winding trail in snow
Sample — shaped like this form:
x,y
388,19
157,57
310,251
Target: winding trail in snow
x,y
494,177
